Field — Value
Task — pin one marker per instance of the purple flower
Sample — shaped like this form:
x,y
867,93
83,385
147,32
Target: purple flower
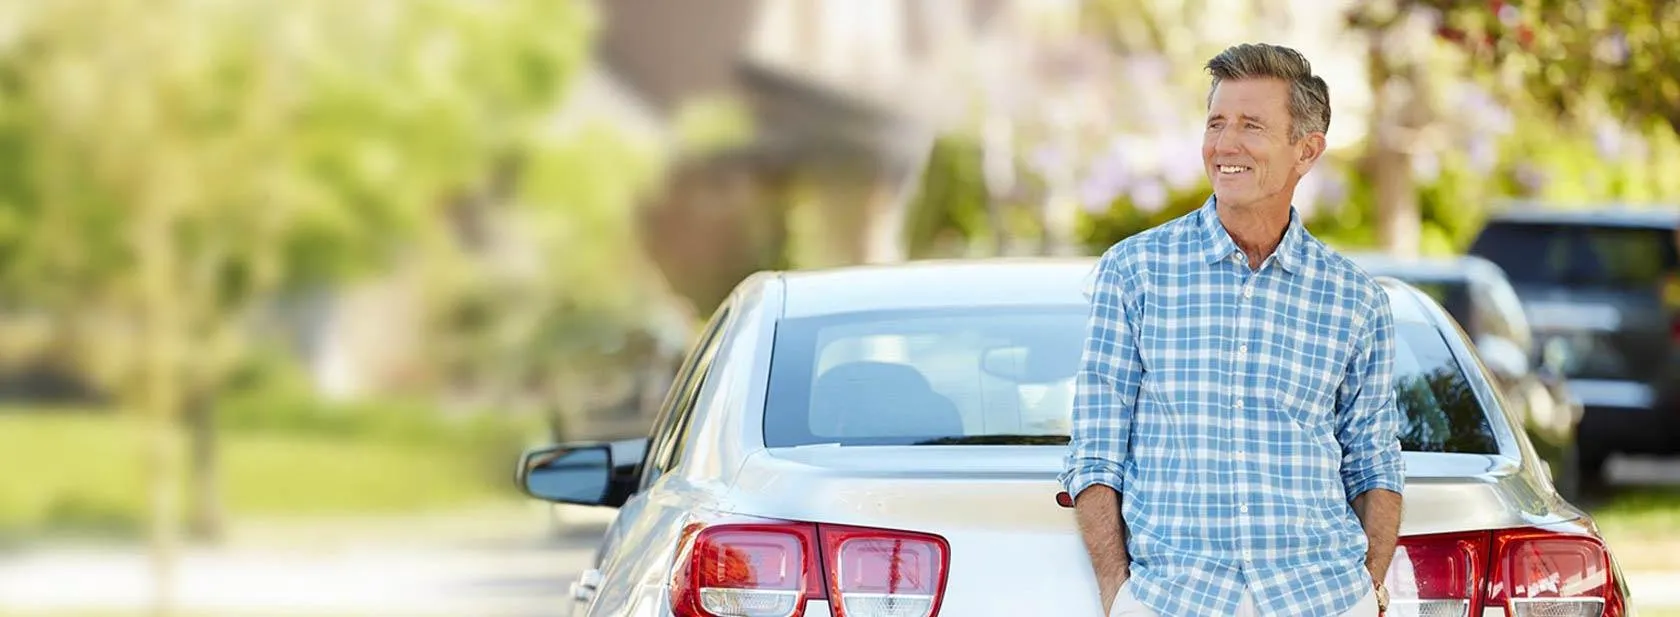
x,y
1612,50
1426,166
1047,159
1181,162
1609,140
1482,152
1508,15
1105,179
1148,196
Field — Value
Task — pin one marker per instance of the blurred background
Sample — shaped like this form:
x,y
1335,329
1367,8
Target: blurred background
x,y
286,285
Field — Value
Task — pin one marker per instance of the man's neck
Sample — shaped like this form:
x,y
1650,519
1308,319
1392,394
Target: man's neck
x,y
1256,229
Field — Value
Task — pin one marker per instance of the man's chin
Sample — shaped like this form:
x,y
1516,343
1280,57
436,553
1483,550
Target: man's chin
x,y
1232,198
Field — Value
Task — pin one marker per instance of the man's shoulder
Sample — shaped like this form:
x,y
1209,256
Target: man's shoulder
x,y
1359,284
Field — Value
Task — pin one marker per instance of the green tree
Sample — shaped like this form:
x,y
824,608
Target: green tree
x,y
1576,57
169,167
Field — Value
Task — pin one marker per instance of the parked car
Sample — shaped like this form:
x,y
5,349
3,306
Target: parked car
x,y
1476,294
885,441
1601,289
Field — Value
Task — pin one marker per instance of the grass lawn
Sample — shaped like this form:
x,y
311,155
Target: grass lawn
x,y
1642,526
83,474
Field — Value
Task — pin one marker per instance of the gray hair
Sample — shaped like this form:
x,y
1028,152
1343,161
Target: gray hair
x,y
1309,97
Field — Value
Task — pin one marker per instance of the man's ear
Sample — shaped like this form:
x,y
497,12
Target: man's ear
x,y
1311,147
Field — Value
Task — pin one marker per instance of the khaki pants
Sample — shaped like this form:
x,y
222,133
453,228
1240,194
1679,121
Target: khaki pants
x,y
1127,606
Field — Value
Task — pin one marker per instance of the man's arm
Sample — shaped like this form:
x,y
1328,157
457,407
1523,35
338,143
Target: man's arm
x,y
1098,511
1379,512
1368,427
1099,436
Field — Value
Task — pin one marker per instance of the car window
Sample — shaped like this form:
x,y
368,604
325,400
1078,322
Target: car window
x,y
941,376
667,430
1555,254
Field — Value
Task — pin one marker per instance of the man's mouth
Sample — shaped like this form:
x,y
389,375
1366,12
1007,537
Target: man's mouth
x,y
1232,169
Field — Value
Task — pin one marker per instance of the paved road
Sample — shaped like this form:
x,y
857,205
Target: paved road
x,y
490,566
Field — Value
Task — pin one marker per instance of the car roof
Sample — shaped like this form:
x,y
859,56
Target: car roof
x,y
974,283
1456,268
1599,215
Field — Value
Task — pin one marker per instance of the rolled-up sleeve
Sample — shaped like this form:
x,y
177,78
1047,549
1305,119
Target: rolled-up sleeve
x,y
1368,415
1106,386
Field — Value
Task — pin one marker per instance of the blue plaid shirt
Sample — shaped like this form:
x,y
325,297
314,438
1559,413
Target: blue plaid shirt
x,y
1237,412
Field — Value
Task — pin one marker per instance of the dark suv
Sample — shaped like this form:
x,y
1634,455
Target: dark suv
x,y
1601,288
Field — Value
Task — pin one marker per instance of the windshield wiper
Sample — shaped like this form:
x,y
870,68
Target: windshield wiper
x,y
997,440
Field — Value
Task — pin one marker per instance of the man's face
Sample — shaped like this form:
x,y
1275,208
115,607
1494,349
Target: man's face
x,y
1246,150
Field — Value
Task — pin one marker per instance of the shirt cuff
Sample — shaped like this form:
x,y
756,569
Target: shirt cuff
x,y
1388,479
1092,472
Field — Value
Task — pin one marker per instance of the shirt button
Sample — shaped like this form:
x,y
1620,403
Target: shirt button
x,y
1247,556
1243,509
1242,349
1239,403
1241,456
1248,292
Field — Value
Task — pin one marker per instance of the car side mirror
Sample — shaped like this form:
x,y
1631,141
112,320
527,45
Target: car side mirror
x,y
569,473
585,473
1503,357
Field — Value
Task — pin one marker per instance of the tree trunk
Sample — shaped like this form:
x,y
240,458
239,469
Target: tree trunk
x,y
157,391
206,519
1388,157
998,169
163,477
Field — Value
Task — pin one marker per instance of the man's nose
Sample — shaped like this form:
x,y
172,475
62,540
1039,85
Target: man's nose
x,y
1222,143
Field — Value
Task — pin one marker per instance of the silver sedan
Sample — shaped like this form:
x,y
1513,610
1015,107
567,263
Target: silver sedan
x,y
884,441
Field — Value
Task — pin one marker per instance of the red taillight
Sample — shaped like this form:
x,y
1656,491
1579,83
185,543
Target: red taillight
x,y
1540,572
1674,329
748,569
880,573
1526,572
1438,574
772,568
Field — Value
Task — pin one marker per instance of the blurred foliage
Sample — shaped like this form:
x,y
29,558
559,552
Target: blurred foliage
x,y
712,123
1574,57
171,171
278,145
948,215
84,481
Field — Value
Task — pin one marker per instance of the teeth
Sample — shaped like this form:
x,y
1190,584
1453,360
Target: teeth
x,y
1231,169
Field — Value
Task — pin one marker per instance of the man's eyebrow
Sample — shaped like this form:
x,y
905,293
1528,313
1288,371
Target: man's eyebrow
x,y
1219,116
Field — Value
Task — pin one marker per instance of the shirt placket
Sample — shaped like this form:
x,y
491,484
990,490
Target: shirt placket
x,y
1239,377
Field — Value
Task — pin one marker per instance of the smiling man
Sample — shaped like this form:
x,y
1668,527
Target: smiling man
x,y
1235,440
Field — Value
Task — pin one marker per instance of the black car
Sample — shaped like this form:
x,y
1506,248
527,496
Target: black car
x,y
1601,288
1476,293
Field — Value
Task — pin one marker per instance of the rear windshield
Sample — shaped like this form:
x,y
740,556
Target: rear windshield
x,y
1005,376
1579,255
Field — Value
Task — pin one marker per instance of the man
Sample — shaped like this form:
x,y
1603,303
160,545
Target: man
x,y
1235,441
